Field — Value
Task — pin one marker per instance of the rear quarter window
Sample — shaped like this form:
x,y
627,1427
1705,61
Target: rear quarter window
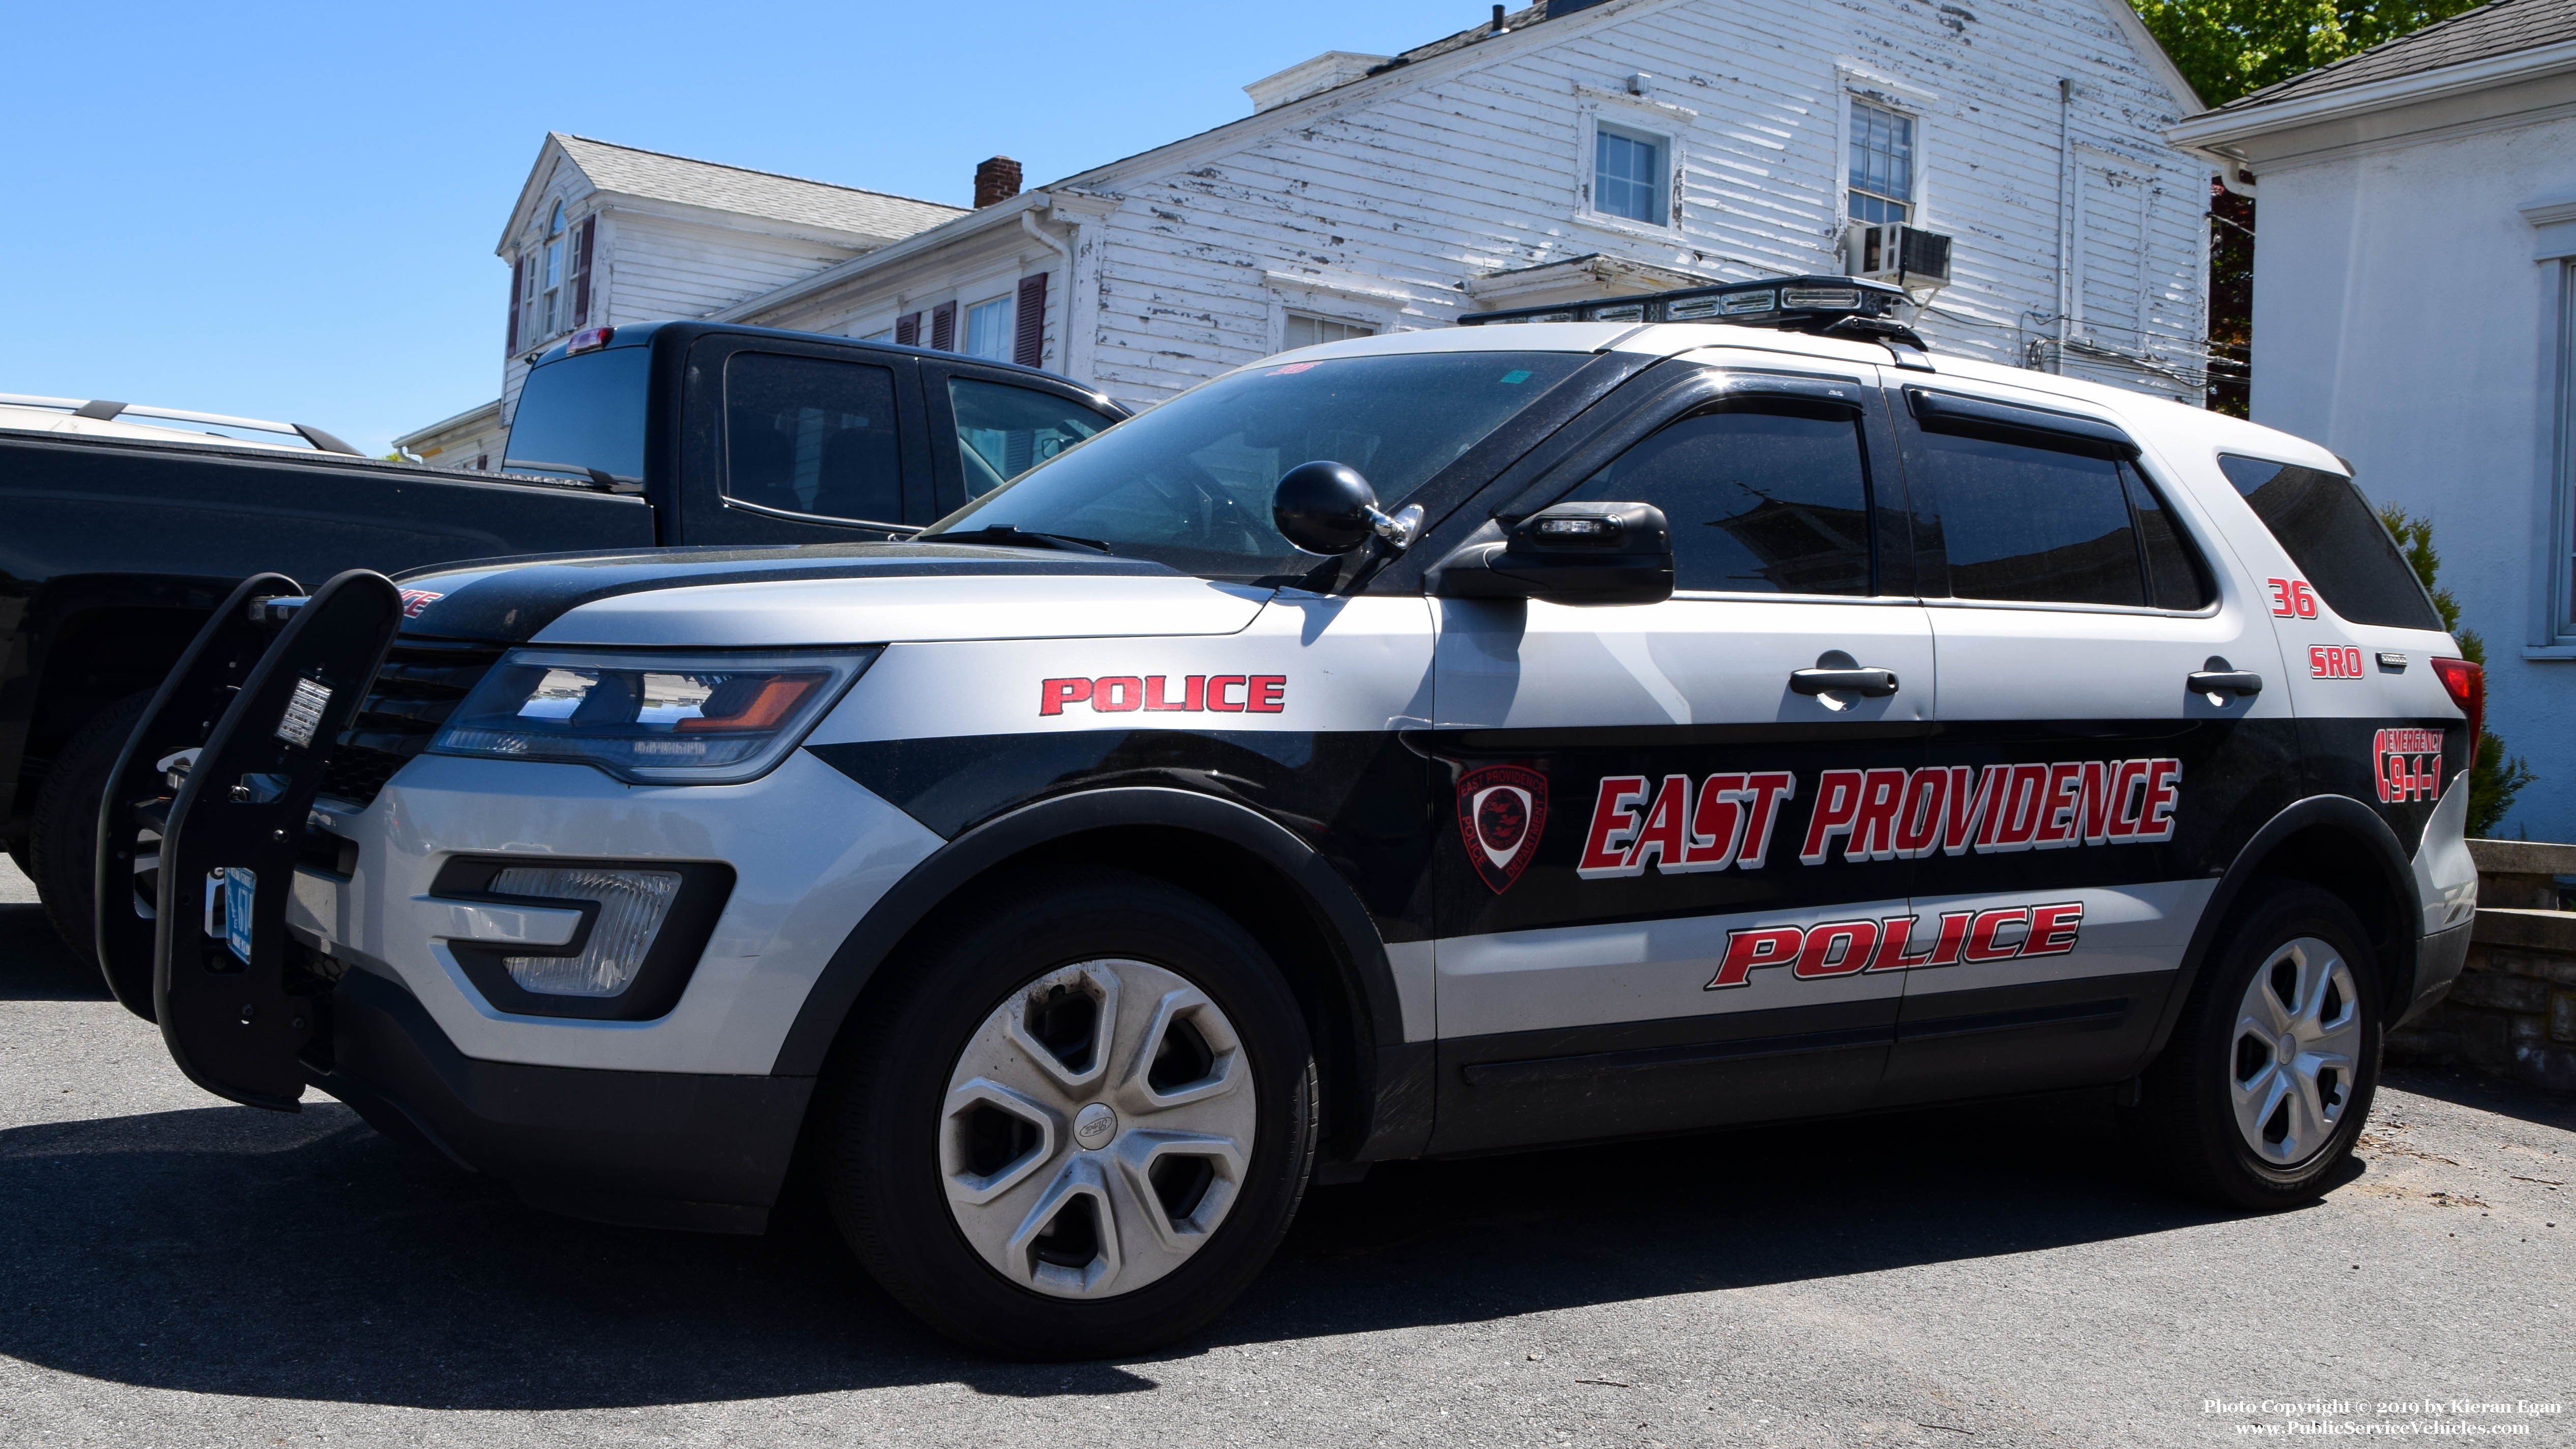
x,y
2328,530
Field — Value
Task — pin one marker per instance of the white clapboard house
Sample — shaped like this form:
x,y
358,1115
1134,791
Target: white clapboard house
x,y
1573,149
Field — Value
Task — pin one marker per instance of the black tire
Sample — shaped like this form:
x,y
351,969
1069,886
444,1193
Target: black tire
x,y
62,848
2186,1117
880,1125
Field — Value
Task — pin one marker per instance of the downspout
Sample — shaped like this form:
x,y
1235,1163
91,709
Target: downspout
x,y
2065,216
1064,254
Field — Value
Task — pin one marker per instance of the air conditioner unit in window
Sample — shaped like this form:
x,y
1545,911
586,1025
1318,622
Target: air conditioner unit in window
x,y
1900,255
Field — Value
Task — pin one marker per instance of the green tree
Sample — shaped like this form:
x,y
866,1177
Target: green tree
x,y
2497,777
2227,48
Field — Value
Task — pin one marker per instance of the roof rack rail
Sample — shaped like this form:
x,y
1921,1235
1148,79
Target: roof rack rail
x,y
1827,306
102,410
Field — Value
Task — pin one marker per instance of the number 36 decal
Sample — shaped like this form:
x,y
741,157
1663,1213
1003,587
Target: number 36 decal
x,y
2292,599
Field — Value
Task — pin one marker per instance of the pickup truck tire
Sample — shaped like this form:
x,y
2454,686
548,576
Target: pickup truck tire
x,y
62,848
2258,1099
1095,1082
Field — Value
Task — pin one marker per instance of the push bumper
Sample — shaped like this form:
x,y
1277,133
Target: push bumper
x,y
2437,964
700,1152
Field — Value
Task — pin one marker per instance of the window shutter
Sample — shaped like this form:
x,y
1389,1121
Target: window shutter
x,y
907,329
581,271
943,327
518,279
1030,346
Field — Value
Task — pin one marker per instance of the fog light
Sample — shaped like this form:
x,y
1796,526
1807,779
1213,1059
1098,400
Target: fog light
x,y
632,905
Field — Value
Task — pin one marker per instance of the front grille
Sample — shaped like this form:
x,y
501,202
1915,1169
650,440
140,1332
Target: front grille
x,y
422,682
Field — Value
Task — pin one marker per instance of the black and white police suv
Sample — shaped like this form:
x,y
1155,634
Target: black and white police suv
x,y
1426,744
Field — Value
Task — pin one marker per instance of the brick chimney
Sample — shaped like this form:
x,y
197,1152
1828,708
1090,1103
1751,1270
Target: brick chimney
x,y
996,180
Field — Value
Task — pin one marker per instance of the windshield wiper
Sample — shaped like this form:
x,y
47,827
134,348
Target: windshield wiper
x,y
1011,535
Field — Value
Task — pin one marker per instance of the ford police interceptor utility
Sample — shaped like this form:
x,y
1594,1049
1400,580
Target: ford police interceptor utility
x,y
1516,734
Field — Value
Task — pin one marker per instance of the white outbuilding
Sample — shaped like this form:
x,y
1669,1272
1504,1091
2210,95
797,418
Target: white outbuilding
x,y
2415,311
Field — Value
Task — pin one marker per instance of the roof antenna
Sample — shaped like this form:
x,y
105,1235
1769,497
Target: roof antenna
x,y
1498,21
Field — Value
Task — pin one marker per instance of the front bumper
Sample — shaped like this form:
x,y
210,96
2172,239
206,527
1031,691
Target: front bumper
x,y
650,1149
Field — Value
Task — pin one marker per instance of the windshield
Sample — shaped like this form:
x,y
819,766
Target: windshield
x,y
582,417
1189,483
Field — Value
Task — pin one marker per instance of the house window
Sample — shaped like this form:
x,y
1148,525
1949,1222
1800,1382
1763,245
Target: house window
x,y
988,330
553,301
1305,331
1628,174
1882,164
2566,426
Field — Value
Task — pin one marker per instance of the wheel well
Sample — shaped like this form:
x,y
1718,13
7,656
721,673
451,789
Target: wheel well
x,y
93,659
2350,868
1256,894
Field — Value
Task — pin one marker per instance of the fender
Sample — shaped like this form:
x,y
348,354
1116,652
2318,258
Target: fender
x,y
2340,812
1394,1077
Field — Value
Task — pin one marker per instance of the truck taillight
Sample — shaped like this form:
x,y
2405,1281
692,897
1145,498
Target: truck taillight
x,y
2467,686
589,339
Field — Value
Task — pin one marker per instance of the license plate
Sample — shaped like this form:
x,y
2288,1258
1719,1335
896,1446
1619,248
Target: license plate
x,y
239,884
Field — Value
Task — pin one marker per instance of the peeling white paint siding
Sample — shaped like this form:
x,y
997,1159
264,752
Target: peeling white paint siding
x,y
1477,167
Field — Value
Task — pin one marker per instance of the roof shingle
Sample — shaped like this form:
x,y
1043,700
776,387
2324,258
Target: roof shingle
x,y
872,214
2500,27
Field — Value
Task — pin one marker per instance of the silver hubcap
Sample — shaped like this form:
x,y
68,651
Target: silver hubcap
x,y
1097,1129
2296,1049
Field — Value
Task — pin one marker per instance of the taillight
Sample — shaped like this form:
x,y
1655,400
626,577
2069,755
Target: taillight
x,y
589,339
2467,685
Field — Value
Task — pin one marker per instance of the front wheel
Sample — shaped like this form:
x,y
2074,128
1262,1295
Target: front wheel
x,y
1079,1128
2262,1092
62,845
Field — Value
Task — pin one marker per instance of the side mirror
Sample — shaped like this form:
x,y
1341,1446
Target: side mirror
x,y
1573,553
1327,508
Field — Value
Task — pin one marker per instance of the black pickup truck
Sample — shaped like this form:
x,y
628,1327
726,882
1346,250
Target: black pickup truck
x,y
114,551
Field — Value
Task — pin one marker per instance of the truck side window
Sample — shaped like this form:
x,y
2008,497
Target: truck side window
x,y
2328,530
2033,524
1004,431
1772,498
812,435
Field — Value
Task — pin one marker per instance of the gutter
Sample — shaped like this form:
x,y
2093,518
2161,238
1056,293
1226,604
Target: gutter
x,y
2211,130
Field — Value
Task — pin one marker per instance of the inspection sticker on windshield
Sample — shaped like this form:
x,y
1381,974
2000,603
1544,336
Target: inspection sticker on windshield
x,y
238,886
1284,371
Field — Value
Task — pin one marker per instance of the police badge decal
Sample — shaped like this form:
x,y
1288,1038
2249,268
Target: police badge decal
x,y
1502,811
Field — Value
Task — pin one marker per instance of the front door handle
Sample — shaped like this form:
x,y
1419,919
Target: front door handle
x,y
2217,677
1851,679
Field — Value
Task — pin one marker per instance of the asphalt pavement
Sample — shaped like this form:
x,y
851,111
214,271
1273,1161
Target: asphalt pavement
x,y
181,1271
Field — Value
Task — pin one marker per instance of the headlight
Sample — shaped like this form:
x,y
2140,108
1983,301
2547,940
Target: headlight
x,y
654,719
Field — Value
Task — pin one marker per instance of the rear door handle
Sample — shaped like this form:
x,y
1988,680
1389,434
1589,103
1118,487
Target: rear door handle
x,y
2244,683
1873,683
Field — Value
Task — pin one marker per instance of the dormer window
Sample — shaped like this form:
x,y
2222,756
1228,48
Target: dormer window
x,y
551,289
551,311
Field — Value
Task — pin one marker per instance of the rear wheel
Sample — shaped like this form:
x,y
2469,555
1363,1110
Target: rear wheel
x,y
62,848
1081,1126
2260,1096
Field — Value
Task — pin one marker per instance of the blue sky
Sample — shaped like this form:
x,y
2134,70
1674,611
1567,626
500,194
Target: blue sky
x,y
289,211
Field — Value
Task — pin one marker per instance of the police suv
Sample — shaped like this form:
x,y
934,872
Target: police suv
x,y
1707,709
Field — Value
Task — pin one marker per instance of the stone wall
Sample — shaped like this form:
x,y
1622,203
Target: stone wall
x,y
2513,1011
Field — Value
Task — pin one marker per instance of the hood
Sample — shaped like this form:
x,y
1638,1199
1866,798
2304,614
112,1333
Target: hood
x,y
837,594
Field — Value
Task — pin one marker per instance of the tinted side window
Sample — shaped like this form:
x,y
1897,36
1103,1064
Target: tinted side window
x,y
1770,501
2329,531
1004,431
2033,524
580,417
811,435
2176,577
